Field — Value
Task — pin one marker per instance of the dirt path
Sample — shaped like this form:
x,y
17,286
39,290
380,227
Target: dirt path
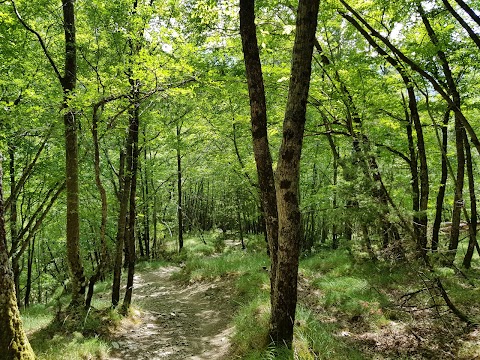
x,y
175,321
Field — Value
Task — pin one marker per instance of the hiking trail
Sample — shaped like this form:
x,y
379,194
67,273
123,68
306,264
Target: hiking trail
x,y
175,321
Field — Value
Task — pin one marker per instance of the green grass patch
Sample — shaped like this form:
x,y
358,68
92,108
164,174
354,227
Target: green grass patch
x,y
356,288
71,347
251,328
228,264
36,317
145,266
316,341
53,337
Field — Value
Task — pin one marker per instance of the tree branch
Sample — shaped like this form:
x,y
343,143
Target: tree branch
x,y
40,40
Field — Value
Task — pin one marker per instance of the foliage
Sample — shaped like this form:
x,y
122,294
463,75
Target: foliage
x,y
190,67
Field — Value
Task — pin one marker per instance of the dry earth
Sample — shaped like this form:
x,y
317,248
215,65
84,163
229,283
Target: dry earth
x,y
175,321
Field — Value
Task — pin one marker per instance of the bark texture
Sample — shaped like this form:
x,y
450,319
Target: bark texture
x,y
130,231
14,344
258,113
71,159
124,180
287,176
443,184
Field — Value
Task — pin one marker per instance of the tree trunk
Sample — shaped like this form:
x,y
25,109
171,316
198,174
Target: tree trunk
x,y
414,176
335,242
155,222
258,114
462,21
146,207
472,230
13,223
125,180
469,11
130,236
421,175
71,159
287,177
28,285
13,341
179,189
460,137
458,201
443,183
103,196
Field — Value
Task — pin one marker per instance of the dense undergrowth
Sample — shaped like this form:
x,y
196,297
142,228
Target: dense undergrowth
x,y
349,307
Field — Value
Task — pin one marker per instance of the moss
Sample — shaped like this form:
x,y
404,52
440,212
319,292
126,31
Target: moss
x,y
12,336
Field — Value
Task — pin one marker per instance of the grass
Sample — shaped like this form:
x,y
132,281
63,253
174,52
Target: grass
x,y
72,347
337,294
247,271
52,339
56,335
315,340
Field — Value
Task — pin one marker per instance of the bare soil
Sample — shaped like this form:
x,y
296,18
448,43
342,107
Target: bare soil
x,y
175,321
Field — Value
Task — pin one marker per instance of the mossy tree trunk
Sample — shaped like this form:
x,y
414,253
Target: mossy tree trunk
x,y
69,80
14,344
13,222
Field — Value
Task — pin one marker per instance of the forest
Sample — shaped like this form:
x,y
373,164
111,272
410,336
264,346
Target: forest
x,y
218,179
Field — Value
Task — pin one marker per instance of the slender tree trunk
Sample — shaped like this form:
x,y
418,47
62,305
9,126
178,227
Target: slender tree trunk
x,y
13,223
420,218
239,221
71,158
467,260
469,11
460,136
179,189
449,95
458,201
130,238
132,214
146,182
335,242
14,344
125,179
28,285
155,222
368,242
287,176
462,22
414,172
443,183
103,225
367,162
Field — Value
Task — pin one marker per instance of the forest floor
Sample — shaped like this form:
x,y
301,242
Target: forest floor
x,y
172,320
210,304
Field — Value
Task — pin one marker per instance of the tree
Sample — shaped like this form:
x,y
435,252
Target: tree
x,y
13,341
68,83
284,254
